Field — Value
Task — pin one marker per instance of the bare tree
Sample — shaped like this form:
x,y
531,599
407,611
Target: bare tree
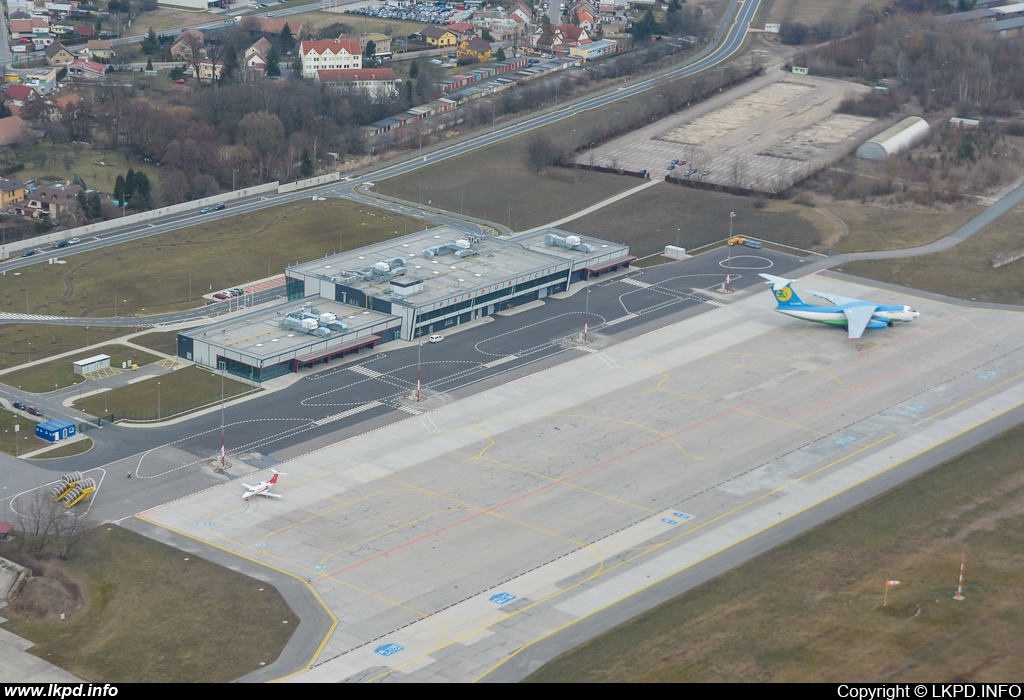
x,y
540,152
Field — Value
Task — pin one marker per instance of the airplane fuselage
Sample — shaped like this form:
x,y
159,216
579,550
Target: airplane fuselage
x,y
882,317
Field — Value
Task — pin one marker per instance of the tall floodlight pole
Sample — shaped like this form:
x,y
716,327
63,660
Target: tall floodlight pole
x,y
222,416
419,350
728,265
586,315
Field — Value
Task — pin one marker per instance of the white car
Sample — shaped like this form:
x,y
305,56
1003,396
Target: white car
x,y
436,338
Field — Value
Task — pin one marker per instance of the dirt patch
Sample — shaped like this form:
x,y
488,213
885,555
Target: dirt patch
x,y
46,599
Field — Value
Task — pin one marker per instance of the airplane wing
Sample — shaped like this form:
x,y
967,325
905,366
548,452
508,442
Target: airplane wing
x,y
271,495
835,298
857,319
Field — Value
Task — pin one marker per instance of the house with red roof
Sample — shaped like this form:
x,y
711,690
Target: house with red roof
x,y
327,54
378,83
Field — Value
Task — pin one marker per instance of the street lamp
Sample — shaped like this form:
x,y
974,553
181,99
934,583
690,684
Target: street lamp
x,y
30,352
159,413
586,315
728,245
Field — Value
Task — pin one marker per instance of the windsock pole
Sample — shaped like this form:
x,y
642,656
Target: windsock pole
x,y
960,586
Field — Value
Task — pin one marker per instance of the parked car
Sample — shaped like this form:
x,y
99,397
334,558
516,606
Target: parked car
x,y
221,295
751,243
20,405
206,210
691,171
74,241
238,292
675,161
671,167
33,411
436,338
707,171
219,207
27,253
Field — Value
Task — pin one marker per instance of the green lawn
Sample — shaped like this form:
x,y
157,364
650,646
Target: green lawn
x,y
661,215
155,614
161,341
59,374
228,252
886,227
812,609
162,397
27,440
48,163
965,271
19,341
70,450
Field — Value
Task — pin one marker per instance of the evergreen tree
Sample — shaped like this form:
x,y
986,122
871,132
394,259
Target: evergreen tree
x,y
227,73
129,184
370,54
408,93
5,111
150,43
546,33
142,191
95,209
500,56
119,189
83,202
306,165
287,38
149,63
273,62
414,69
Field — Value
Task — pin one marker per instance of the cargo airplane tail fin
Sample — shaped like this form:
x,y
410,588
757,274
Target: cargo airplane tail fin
x,y
783,290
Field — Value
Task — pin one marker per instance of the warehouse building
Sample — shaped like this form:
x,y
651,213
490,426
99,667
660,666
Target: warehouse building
x,y
895,140
404,288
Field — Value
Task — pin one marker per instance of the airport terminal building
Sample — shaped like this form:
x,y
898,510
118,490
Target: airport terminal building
x,y
404,288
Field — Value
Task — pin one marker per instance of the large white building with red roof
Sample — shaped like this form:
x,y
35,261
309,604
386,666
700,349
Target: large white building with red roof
x,y
330,54
378,83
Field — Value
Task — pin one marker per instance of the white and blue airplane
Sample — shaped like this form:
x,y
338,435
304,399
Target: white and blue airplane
x,y
855,314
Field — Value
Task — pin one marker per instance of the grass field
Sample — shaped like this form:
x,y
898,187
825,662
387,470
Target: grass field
x,y
165,18
27,440
881,227
844,12
70,450
493,184
161,341
48,163
156,614
812,609
179,391
59,374
964,271
655,217
46,340
152,275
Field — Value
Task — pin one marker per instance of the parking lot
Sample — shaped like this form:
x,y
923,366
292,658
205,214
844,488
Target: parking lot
x,y
762,136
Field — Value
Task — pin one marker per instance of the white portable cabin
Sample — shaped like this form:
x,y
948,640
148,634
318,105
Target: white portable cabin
x,y
92,364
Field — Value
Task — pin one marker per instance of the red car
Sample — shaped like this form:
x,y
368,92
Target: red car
x,y
33,411
221,295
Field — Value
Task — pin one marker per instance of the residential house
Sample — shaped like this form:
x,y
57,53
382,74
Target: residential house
x,y
255,57
583,13
57,55
474,48
189,44
11,193
276,26
100,50
15,130
206,69
330,55
85,31
19,14
84,69
41,41
381,44
17,95
50,200
520,12
464,30
27,28
378,83
440,37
